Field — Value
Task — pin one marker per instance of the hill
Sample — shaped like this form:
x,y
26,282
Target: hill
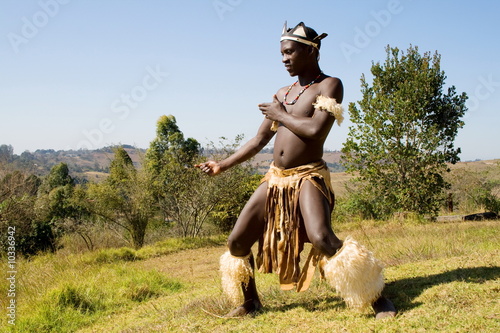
x,y
93,165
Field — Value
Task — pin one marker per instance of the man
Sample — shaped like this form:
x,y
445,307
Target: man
x,y
294,201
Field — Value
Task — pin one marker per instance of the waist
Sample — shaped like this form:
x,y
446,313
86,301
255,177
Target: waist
x,y
302,169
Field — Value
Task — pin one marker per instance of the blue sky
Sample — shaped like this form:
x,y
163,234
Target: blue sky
x,y
91,73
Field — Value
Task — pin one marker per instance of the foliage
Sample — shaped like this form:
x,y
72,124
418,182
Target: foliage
x,y
226,213
403,133
124,199
473,190
185,196
35,231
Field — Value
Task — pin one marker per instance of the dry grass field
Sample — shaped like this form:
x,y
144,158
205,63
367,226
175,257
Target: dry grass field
x,y
441,276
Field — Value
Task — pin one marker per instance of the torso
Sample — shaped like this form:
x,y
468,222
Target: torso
x,y
291,150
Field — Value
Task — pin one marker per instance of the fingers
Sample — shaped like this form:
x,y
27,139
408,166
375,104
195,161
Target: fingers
x,y
207,167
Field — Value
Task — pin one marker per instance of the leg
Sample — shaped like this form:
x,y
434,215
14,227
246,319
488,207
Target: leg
x,y
247,230
316,214
384,308
317,220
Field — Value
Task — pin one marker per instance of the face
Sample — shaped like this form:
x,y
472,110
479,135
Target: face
x,y
295,56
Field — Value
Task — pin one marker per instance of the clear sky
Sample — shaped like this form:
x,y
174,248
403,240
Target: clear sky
x,y
91,73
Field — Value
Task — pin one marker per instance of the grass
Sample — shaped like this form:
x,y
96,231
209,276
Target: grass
x,y
441,276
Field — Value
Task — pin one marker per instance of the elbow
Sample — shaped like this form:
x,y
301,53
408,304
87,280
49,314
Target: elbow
x,y
314,133
261,141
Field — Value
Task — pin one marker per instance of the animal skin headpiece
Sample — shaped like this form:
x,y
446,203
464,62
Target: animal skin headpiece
x,y
302,34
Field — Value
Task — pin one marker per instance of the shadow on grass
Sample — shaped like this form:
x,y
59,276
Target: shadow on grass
x,y
331,302
403,292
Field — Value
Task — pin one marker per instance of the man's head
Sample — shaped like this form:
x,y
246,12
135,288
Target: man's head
x,y
300,48
303,34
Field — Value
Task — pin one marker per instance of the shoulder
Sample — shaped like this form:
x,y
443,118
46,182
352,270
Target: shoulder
x,y
332,87
281,92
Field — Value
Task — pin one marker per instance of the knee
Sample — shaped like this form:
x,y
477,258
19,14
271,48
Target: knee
x,y
237,247
323,241
318,240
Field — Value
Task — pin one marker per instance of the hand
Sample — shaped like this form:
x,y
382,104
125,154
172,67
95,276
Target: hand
x,y
272,110
211,168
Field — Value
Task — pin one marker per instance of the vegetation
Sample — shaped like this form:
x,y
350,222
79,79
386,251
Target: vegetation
x,y
124,199
403,134
441,276
163,192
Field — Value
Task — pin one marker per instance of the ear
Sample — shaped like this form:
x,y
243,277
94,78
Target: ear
x,y
311,50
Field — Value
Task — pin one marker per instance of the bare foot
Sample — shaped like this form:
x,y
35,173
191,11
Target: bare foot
x,y
248,308
384,308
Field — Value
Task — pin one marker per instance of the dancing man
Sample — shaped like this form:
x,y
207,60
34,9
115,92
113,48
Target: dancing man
x,y
294,201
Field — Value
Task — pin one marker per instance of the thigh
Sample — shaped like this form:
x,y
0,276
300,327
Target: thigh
x,y
316,215
250,224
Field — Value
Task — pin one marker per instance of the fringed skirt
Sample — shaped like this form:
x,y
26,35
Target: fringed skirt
x,y
284,234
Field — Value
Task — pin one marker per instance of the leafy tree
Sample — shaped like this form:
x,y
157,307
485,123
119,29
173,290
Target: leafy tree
x,y
17,209
403,133
185,195
169,145
124,199
57,177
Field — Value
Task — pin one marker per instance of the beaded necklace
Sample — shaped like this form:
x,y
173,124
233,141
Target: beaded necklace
x,y
300,93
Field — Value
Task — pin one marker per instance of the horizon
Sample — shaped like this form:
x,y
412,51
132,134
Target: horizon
x,y
129,146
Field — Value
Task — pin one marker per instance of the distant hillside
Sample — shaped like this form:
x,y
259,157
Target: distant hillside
x,y
93,165
83,164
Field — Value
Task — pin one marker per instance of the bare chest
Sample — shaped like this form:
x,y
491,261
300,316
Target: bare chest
x,y
303,107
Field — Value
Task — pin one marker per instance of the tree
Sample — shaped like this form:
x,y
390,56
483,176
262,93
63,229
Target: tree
x,y
55,193
124,199
185,195
17,210
403,133
6,154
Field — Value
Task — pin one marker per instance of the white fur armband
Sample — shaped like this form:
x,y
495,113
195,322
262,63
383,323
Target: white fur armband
x,y
330,105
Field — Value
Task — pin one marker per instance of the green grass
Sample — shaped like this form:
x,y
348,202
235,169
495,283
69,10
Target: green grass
x,y
443,277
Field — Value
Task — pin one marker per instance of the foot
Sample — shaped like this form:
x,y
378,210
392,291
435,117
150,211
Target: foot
x,y
247,308
384,308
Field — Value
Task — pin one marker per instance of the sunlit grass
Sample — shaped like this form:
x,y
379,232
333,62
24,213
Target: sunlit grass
x,y
441,276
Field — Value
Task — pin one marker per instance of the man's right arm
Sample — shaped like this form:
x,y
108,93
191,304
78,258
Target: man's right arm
x,y
247,151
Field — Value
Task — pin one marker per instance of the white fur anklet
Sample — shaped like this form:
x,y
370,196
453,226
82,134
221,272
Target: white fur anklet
x,y
235,272
355,273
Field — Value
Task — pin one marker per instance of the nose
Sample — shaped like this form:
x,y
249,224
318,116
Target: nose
x,y
285,58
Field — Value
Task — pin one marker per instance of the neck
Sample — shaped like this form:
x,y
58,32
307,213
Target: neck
x,y
308,76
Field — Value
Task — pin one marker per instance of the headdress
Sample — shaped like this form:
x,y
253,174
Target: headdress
x,y
302,34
